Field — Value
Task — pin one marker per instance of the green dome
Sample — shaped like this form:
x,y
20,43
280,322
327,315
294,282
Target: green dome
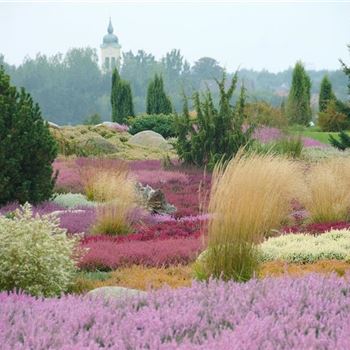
x,y
110,38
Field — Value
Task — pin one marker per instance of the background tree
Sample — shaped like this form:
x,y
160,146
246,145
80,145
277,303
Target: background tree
x,y
121,99
157,100
27,149
326,94
298,105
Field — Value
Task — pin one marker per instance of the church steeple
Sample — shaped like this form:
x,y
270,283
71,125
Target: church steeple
x,y
110,27
110,49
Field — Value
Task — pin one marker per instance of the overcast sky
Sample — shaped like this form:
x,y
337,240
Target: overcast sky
x,y
250,35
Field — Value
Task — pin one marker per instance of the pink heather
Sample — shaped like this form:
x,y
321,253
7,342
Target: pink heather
x,y
311,312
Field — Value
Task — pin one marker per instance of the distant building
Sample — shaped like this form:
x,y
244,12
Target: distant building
x,y
110,50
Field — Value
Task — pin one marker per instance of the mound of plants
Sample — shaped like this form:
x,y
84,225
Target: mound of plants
x,y
304,248
310,312
159,123
36,254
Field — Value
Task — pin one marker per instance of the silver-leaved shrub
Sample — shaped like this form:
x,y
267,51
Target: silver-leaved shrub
x,y
36,254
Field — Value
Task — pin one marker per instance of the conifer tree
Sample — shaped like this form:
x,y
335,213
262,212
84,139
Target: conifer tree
x,y
27,149
298,107
217,133
157,100
326,94
121,99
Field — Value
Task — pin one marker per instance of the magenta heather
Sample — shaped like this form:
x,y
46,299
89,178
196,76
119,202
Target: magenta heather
x,y
310,312
104,254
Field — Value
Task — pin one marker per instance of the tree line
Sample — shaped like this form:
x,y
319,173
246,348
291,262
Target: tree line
x,y
71,87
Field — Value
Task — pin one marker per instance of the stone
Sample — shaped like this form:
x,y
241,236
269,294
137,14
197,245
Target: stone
x,y
53,125
149,138
115,292
154,200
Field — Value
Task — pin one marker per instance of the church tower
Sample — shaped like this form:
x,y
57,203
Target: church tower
x,y
110,50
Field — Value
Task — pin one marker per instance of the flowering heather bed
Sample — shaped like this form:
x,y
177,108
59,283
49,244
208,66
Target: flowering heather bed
x,y
311,312
181,228
108,255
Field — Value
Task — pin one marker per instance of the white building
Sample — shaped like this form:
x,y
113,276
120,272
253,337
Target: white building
x,y
110,50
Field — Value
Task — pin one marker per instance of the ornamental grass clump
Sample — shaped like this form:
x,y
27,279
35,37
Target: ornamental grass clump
x,y
328,197
103,181
36,254
249,197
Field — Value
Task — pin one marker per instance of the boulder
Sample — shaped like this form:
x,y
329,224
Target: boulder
x,y
151,139
115,292
154,200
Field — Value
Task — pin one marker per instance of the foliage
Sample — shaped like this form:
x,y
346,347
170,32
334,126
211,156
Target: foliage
x,y
326,94
27,147
86,141
36,255
302,313
121,99
328,195
316,228
304,248
298,108
262,113
259,184
218,133
159,123
157,100
343,143
71,86
330,119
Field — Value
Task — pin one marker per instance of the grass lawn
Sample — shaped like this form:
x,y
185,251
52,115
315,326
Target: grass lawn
x,y
317,135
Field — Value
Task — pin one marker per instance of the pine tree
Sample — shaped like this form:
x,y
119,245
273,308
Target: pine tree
x,y
326,94
298,107
27,149
121,99
157,100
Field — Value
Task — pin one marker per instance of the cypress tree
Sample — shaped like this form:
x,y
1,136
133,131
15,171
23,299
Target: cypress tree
x,y
298,108
157,100
121,99
27,149
326,94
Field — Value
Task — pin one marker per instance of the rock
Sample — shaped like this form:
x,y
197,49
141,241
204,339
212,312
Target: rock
x,y
116,292
154,200
53,125
149,138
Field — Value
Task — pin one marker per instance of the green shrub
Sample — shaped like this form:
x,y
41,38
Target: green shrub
x,y
36,254
218,132
331,119
27,149
160,123
262,113
72,200
93,119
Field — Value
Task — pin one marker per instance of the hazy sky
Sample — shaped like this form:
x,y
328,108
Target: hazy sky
x,y
250,35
